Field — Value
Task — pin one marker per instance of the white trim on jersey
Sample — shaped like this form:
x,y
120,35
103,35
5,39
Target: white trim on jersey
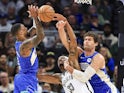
x,y
33,57
72,85
106,79
17,54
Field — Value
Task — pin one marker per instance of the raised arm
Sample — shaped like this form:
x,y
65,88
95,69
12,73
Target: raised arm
x,y
35,40
98,63
72,45
70,33
53,79
73,56
62,34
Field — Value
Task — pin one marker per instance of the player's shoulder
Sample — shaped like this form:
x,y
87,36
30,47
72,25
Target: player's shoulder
x,y
99,60
99,56
80,50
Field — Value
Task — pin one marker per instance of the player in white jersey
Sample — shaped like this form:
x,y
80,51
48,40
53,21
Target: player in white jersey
x,y
69,83
72,85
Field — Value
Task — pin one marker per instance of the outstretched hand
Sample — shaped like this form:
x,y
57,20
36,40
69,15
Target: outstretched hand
x,y
58,17
33,11
60,24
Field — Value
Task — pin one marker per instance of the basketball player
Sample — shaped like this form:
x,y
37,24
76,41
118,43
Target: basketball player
x,y
91,62
69,83
26,81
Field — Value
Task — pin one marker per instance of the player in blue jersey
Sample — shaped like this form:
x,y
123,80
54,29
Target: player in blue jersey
x,y
26,80
91,62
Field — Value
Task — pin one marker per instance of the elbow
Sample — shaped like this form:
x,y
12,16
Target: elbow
x,y
41,36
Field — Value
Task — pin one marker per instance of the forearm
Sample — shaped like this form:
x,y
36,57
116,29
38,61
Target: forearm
x,y
63,38
73,56
81,76
70,32
39,29
48,78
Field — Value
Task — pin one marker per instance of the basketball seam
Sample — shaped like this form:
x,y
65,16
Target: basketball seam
x,y
45,15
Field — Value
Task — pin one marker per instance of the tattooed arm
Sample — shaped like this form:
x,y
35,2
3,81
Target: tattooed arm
x,y
72,45
73,55
28,44
70,33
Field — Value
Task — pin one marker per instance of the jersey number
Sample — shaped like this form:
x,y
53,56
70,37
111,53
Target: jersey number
x,y
70,87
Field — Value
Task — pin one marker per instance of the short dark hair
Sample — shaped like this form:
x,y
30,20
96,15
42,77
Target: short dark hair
x,y
15,28
92,34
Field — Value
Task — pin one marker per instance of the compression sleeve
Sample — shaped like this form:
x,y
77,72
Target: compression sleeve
x,y
84,76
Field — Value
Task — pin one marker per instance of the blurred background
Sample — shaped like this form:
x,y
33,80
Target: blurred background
x,y
100,17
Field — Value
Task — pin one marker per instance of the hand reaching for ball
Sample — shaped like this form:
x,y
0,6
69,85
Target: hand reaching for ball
x,y
58,17
60,24
33,11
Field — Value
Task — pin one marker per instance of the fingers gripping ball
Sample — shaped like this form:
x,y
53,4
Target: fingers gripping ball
x,y
46,13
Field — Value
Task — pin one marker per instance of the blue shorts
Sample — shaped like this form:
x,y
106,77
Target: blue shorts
x,y
25,83
102,89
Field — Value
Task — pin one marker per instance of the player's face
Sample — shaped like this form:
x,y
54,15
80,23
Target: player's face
x,y
22,31
89,43
61,61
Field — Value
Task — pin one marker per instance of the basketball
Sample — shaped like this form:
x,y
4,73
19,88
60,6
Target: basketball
x,y
46,13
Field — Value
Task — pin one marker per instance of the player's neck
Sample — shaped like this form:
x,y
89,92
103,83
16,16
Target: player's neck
x,y
89,52
21,39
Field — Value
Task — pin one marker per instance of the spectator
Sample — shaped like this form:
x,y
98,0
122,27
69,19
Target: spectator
x,y
12,17
76,11
94,25
65,3
92,10
47,88
108,35
73,22
5,86
2,48
4,25
11,58
49,42
9,40
109,39
51,64
4,66
19,5
4,6
86,22
67,11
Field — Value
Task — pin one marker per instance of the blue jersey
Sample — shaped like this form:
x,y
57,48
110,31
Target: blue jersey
x,y
26,79
100,81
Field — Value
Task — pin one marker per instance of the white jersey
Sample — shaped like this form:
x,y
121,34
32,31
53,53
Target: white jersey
x,y
72,85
